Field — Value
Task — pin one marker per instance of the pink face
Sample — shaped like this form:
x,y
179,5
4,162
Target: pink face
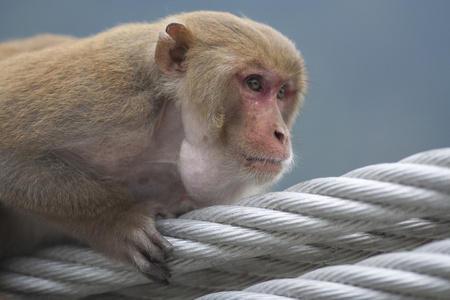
x,y
265,98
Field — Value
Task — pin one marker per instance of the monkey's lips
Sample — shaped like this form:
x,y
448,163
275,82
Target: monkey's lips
x,y
268,165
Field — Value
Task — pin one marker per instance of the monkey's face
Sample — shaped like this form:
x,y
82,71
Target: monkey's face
x,y
258,136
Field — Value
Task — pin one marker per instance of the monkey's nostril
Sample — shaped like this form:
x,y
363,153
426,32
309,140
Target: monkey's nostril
x,y
280,136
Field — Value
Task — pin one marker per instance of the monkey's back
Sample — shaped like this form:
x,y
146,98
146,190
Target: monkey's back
x,y
77,90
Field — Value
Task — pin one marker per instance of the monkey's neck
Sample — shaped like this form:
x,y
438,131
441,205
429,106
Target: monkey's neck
x,y
206,179
203,165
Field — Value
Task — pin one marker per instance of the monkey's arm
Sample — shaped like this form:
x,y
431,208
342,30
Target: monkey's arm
x,y
97,211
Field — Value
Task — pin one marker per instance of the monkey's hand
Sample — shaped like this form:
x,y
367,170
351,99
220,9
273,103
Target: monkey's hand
x,y
130,235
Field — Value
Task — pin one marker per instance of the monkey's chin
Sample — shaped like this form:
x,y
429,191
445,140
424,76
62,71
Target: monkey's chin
x,y
269,166
265,171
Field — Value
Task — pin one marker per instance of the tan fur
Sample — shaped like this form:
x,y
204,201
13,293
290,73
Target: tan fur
x,y
83,121
11,48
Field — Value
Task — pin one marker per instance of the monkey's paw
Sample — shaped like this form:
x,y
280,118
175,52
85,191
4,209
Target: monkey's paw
x,y
134,239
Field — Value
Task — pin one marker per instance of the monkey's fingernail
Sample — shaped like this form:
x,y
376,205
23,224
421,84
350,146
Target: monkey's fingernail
x,y
169,248
164,282
167,255
158,280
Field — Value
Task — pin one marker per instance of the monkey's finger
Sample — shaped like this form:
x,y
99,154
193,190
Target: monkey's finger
x,y
161,242
164,213
150,270
156,274
144,244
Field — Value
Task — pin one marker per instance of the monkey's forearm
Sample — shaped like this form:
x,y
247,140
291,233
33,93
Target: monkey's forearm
x,y
52,188
98,212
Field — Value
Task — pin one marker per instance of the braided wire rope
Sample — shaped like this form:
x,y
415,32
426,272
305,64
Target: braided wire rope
x,y
420,274
320,222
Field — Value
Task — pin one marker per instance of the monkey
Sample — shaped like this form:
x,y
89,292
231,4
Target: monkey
x,y
101,136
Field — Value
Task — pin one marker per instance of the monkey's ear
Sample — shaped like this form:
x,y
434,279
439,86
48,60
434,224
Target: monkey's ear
x,y
171,49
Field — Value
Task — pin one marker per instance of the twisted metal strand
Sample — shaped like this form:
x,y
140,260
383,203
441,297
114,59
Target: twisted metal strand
x,y
319,222
421,274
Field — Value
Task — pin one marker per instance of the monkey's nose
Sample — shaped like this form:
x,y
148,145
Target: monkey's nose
x,y
281,136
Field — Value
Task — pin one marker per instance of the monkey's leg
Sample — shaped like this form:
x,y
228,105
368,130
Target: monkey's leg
x,y
94,210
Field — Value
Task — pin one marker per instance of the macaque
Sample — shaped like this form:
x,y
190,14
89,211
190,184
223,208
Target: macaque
x,y
101,136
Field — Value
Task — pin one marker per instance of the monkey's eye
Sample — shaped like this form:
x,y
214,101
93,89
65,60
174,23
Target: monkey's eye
x,y
280,94
254,83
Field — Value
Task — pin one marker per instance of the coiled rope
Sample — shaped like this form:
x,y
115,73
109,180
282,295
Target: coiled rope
x,y
321,222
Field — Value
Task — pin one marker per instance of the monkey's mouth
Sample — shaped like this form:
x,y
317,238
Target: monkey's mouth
x,y
264,164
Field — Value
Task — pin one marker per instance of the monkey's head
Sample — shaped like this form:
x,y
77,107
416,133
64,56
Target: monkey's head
x,y
240,85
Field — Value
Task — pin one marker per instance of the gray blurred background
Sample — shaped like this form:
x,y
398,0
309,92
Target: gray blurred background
x,y
379,71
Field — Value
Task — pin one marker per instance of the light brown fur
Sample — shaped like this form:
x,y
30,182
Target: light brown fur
x,y
84,122
11,48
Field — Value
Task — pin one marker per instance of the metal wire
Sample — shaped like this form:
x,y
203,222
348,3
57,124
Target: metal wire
x,y
321,222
